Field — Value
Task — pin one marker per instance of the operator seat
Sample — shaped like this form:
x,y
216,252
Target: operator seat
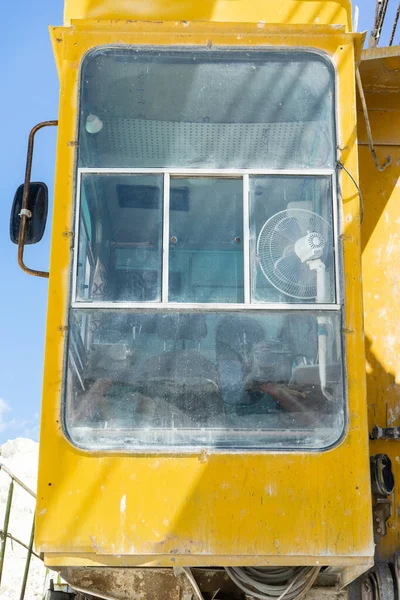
x,y
235,339
181,381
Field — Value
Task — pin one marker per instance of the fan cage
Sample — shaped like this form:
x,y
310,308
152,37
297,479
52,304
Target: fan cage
x,y
277,259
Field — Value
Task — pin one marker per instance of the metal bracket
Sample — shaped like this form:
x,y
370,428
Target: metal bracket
x,y
384,433
382,511
26,212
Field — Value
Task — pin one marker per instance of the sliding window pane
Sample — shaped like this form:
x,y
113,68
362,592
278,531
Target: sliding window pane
x,y
120,238
292,252
206,240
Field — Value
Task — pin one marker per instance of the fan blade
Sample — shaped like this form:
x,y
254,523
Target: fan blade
x,y
288,229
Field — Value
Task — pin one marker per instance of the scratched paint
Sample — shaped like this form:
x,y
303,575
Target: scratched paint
x,y
381,265
176,508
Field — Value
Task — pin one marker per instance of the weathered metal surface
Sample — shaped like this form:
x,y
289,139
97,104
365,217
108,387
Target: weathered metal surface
x,y
242,11
396,573
380,73
379,585
210,509
382,478
318,593
143,584
385,433
382,511
388,160
162,584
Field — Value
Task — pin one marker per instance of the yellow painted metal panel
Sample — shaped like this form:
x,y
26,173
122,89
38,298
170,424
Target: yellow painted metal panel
x,y
240,11
380,72
354,566
283,508
385,126
381,277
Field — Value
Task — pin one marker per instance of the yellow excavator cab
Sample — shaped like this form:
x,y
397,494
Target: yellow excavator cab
x,y
206,405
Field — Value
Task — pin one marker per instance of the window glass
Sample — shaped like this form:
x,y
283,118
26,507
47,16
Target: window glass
x,y
249,379
291,239
156,379
243,109
292,253
206,240
123,253
85,260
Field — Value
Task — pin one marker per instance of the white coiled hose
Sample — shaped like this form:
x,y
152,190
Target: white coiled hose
x,y
274,583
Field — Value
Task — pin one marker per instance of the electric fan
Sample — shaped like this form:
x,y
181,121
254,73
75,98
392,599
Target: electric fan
x,y
290,249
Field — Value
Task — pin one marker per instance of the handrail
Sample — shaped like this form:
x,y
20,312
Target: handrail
x,y
20,543
4,534
15,478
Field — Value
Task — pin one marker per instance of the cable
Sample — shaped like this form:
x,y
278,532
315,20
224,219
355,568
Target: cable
x,y
377,10
382,17
396,20
368,126
196,589
274,583
341,166
373,38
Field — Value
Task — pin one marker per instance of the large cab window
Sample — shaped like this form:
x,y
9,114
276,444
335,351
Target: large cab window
x,y
205,307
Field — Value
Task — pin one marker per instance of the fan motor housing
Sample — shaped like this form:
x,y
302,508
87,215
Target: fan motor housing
x,y
309,247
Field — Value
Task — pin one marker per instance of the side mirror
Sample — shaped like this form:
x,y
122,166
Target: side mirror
x,y
37,206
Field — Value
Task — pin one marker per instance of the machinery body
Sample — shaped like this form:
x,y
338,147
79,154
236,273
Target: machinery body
x,y
380,70
209,503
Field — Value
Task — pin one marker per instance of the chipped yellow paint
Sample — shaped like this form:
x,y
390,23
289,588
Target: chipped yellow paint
x,y
283,508
380,72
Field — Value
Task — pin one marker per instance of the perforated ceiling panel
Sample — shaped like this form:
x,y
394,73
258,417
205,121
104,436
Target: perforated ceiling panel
x,y
209,110
144,143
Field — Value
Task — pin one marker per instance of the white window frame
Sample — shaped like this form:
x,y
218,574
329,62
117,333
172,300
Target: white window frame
x,y
244,174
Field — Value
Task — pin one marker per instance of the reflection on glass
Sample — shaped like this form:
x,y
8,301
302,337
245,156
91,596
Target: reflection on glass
x,y
292,253
249,379
231,109
120,238
206,240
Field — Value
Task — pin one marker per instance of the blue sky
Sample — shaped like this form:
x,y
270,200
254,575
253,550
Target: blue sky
x,y
29,94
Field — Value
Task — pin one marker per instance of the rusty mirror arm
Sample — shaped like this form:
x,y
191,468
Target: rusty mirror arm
x,y
25,213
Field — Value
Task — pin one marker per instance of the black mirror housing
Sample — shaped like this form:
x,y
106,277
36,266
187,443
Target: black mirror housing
x,y
37,205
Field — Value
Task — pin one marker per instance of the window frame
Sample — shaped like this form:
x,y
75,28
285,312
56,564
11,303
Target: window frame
x,y
244,175
337,223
